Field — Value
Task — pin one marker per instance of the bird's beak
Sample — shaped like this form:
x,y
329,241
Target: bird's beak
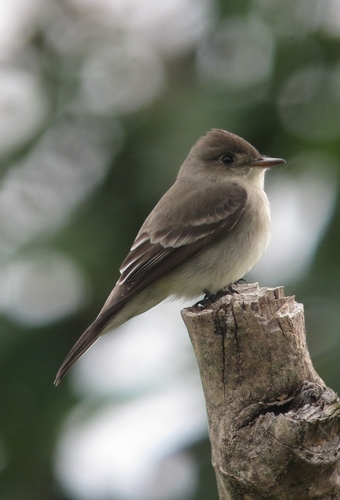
x,y
266,162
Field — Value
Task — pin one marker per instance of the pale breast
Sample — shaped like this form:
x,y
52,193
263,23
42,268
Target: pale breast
x,y
228,260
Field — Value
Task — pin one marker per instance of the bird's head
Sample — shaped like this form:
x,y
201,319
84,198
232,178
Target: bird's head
x,y
221,155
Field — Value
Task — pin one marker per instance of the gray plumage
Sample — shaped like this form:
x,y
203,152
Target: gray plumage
x,y
205,233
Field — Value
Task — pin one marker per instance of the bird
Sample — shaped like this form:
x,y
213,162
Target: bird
x,y
205,233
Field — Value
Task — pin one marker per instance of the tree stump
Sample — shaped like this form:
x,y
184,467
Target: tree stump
x,y
274,426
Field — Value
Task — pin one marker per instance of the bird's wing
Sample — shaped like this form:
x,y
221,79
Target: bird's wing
x,y
156,252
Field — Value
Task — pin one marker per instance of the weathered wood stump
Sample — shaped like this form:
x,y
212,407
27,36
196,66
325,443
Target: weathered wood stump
x,y
274,426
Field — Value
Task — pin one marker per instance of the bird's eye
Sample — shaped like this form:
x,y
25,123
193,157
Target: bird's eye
x,y
227,159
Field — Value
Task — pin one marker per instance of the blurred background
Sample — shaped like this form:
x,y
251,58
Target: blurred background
x,y
100,101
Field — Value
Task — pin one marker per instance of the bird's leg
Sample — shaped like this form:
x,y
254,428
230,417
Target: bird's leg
x,y
241,280
207,296
211,297
231,288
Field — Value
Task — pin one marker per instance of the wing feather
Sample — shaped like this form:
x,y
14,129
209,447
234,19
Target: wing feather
x,y
157,252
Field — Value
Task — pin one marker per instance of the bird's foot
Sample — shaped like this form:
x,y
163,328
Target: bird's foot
x,y
208,297
232,289
241,281
211,297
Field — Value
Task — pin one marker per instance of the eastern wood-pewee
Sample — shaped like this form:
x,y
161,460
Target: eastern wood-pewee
x,y
207,231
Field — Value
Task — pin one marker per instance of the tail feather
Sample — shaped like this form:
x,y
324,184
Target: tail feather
x,y
105,321
112,315
88,338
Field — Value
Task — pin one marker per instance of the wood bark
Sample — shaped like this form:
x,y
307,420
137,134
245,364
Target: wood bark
x,y
274,426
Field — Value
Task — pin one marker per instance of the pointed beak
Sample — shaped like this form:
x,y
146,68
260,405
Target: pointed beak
x,y
266,162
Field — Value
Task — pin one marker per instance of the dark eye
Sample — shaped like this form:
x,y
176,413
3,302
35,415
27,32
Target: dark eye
x,y
227,159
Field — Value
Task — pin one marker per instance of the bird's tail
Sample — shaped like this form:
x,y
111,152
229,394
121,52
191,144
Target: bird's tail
x,y
88,338
107,320
113,314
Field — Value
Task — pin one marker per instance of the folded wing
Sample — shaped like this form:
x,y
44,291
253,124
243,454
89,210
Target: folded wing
x,y
163,246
